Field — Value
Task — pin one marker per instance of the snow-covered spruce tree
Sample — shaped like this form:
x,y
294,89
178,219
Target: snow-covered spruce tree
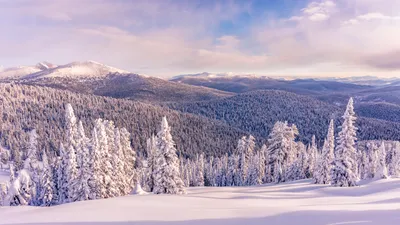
x,y
150,151
84,164
31,166
54,162
363,165
322,174
96,182
281,147
231,170
167,179
253,172
104,161
70,126
3,193
12,173
381,172
4,157
71,173
312,156
131,176
16,158
118,163
62,176
20,191
261,166
45,197
344,171
199,168
374,161
395,163
108,167
242,166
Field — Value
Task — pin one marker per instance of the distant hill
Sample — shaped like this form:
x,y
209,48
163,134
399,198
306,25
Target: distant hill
x,y
131,86
241,84
256,112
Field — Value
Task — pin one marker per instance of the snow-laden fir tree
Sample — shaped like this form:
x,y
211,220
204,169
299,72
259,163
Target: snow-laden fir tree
x,y
199,170
281,147
150,151
70,126
167,179
107,131
381,172
232,170
16,158
363,165
20,191
71,173
322,174
31,166
62,176
12,173
395,162
374,160
243,166
131,176
261,166
312,156
3,193
118,163
344,171
84,164
45,196
96,182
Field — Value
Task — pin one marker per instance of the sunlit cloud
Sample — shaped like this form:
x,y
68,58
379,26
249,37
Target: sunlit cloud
x,y
170,37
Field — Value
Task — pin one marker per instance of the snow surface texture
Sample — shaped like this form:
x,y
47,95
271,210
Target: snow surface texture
x,y
295,203
4,176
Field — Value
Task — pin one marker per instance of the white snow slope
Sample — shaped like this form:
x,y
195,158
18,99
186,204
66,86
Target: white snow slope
x,y
87,69
297,203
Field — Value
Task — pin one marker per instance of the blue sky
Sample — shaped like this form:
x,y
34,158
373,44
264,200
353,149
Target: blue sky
x,y
168,37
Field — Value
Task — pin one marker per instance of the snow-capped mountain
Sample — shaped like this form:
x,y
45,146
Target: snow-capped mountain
x,y
20,71
86,69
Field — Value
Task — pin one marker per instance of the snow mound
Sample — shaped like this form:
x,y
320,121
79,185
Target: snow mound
x,y
87,69
138,190
299,203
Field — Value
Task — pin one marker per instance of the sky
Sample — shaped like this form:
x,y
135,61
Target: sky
x,y
170,37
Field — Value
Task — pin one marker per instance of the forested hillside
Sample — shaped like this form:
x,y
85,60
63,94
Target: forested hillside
x,y
241,84
24,107
131,86
256,112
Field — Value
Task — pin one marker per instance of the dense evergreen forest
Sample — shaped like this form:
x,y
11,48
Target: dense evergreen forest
x,y
25,107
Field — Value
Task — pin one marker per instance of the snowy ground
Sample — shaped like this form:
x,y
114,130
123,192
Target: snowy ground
x,y
297,203
4,176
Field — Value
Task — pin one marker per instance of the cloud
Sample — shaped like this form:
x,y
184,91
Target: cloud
x,y
319,11
167,37
387,61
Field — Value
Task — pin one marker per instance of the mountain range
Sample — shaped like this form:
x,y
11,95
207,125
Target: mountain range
x,y
225,106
